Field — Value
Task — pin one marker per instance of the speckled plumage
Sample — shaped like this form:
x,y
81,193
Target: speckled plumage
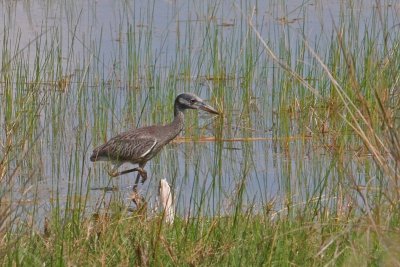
x,y
137,146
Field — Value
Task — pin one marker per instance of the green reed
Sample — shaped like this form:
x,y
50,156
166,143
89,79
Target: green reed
x,y
325,200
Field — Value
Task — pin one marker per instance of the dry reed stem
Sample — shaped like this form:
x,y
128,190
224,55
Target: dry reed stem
x,y
166,201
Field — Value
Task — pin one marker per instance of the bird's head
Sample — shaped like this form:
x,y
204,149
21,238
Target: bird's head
x,y
192,101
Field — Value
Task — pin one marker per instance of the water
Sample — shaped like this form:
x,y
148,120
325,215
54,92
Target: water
x,y
123,63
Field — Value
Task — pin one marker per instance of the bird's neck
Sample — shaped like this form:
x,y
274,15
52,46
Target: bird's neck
x,y
179,119
178,122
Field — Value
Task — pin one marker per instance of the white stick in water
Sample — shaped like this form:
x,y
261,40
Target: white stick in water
x,y
166,201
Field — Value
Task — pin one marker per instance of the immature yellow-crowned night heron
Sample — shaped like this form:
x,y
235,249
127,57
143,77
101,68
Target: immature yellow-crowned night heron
x,y
137,146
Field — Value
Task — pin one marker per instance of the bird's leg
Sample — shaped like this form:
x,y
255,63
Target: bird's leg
x,y
115,173
135,196
135,185
143,174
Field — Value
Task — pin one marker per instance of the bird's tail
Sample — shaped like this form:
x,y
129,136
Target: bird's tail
x,y
93,157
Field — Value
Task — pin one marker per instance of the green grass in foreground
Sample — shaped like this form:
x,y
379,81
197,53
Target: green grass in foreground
x,y
253,240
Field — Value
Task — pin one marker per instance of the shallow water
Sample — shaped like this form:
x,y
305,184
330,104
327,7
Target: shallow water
x,y
123,64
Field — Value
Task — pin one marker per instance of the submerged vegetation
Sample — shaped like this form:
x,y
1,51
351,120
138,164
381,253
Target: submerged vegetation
x,y
301,169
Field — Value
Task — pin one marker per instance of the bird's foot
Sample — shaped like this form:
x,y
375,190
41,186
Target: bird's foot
x,y
113,173
143,173
138,199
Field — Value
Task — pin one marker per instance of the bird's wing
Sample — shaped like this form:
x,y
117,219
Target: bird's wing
x,y
125,148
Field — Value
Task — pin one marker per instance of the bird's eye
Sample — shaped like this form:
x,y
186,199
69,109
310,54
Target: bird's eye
x,y
192,101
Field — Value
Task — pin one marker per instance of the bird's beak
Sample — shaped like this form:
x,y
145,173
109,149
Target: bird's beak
x,y
208,108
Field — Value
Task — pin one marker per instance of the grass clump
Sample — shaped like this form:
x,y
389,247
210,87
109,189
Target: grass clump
x,y
121,239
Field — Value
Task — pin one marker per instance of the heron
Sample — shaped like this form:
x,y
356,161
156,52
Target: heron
x,y
138,146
